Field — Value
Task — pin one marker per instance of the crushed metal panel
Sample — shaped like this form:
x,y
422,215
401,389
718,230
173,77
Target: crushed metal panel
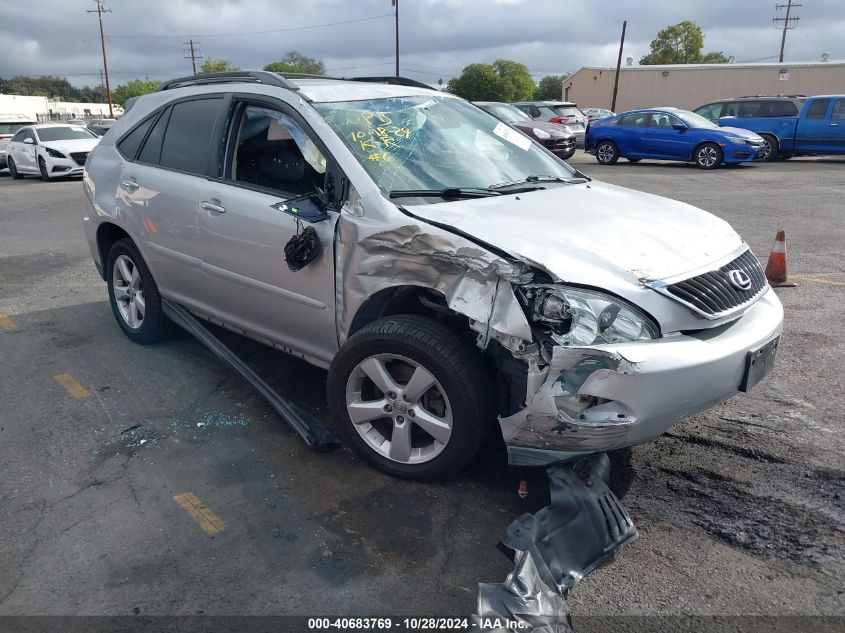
x,y
475,282
556,547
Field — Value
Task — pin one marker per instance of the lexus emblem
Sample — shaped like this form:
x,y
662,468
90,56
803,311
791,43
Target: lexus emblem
x,y
739,279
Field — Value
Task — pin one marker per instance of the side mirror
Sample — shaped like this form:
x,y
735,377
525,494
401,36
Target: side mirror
x,y
679,126
29,141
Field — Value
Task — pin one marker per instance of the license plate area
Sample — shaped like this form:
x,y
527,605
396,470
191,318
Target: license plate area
x,y
758,364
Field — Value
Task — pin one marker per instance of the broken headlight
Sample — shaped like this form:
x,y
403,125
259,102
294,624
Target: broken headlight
x,y
585,317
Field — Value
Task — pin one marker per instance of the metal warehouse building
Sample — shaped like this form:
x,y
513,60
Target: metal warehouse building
x,y
691,85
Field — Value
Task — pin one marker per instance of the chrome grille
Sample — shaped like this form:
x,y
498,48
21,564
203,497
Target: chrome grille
x,y
712,295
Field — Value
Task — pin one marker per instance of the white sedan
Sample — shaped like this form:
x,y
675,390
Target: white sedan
x,y
52,150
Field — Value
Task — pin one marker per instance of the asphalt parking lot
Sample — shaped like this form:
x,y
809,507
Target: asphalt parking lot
x,y
740,508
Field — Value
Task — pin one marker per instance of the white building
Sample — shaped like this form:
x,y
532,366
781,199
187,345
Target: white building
x,y
46,108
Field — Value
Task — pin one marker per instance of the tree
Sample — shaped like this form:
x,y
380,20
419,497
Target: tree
x,y
481,82
217,66
518,77
134,88
295,62
550,88
681,44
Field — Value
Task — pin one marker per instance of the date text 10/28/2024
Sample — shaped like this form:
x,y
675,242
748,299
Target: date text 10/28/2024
x,y
414,624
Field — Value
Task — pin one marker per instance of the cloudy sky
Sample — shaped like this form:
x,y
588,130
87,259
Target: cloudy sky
x,y
438,37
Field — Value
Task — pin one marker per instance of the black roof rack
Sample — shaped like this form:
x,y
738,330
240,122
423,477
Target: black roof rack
x,y
758,96
248,76
392,79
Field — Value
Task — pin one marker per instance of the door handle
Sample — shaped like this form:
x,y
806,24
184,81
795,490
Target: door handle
x,y
834,125
214,207
130,185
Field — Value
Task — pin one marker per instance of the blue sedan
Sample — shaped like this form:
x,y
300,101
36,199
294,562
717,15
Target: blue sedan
x,y
670,134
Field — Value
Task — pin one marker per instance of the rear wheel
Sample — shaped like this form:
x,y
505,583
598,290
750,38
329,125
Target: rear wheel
x,y
708,156
770,148
13,169
133,294
410,397
42,167
607,153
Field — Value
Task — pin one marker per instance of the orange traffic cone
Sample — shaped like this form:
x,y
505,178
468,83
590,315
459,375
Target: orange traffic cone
x,y
776,266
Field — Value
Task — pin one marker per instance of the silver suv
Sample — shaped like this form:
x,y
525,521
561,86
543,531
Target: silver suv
x,y
448,271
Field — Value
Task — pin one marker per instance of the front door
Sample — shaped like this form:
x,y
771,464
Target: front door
x,y
248,217
664,141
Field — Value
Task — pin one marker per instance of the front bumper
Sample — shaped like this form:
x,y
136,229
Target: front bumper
x,y
563,146
642,388
735,153
61,167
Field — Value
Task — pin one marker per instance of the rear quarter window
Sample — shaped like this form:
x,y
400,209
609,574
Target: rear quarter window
x,y
633,120
131,143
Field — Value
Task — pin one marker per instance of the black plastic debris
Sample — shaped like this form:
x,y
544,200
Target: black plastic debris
x,y
555,548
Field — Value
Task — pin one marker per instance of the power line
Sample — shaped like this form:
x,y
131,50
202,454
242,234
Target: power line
x,y
788,22
239,33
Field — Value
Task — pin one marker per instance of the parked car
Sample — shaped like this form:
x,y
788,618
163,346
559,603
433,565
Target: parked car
x,y
555,137
100,126
670,134
557,112
761,109
595,114
75,121
341,221
819,128
52,150
9,124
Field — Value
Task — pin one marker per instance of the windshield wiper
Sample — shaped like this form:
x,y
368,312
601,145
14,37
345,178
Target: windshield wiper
x,y
448,192
537,179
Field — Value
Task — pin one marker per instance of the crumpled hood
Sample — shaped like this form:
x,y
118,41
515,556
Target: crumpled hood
x,y
586,233
72,145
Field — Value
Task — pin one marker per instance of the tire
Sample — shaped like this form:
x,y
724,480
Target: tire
x,y
456,405
772,148
124,261
633,160
42,167
13,169
607,153
708,156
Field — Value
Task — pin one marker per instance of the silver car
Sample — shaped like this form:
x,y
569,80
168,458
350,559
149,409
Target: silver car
x,y
563,112
341,221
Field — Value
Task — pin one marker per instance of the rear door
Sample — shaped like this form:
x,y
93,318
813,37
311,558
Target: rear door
x,y
814,128
629,134
168,158
249,215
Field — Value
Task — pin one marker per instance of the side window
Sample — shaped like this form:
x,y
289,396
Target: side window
x,y
131,143
661,121
151,152
189,135
781,108
273,151
19,137
638,119
749,109
711,111
838,110
818,109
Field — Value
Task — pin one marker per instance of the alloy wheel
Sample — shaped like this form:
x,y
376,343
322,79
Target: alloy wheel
x,y
128,291
605,152
707,156
399,408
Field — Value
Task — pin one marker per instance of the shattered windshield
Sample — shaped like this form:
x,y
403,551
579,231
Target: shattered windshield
x,y
435,142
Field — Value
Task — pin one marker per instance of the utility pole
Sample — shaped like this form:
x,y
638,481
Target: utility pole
x,y
618,66
192,52
395,4
787,21
100,10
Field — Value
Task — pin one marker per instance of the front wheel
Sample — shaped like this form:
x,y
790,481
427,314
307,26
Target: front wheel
x,y
607,153
708,156
42,167
410,397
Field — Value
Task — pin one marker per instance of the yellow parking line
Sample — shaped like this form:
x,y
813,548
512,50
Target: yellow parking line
x,y
818,280
72,386
7,324
200,513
